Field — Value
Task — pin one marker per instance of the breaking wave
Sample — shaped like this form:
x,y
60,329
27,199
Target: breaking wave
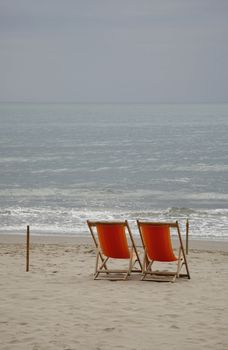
x,y
204,223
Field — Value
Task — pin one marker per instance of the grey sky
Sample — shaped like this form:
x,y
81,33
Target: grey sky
x,y
114,50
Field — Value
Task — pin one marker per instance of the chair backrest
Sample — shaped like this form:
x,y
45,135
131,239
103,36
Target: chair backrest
x,y
157,241
112,239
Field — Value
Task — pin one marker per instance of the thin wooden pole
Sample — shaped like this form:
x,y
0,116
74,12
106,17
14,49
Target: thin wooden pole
x,y
27,248
187,234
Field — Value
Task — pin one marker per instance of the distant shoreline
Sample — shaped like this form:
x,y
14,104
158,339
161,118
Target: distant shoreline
x,y
195,244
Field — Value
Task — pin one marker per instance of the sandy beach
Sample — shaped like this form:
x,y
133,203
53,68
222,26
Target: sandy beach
x,y
58,305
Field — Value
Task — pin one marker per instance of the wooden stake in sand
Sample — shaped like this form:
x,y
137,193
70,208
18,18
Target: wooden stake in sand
x,y
27,248
187,233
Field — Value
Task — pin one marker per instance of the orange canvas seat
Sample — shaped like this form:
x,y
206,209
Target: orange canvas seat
x,y
114,240
157,245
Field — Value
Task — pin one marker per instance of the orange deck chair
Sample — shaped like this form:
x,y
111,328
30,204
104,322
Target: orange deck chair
x,y
114,240
157,245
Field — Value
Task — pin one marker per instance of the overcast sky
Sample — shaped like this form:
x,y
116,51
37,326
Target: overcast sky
x,y
114,51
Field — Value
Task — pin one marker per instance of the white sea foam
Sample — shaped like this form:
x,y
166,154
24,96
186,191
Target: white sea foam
x,y
204,223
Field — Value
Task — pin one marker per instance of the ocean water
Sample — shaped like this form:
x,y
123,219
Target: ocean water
x,y
61,164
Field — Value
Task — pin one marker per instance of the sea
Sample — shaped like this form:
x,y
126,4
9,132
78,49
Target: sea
x,y
61,164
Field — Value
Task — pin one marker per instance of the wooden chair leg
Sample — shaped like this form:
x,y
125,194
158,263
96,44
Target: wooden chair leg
x,y
102,266
147,271
96,266
179,263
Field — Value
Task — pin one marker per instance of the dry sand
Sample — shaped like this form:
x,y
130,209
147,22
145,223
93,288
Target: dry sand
x,y
58,305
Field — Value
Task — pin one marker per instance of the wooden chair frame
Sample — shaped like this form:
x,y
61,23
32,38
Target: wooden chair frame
x,y
102,260
147,262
